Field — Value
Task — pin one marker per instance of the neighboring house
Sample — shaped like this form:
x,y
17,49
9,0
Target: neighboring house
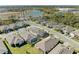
x,y
55,25
38,31
18,25
11,26
64,29
52,25
67,29
3,28
23,33
42,34
47,44
61,49
14,39
44,23
61,26
32,38
21,24
15,26
3,49
74,33
27,36
7,28
34,29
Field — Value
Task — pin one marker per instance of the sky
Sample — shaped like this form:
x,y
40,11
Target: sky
x,y
39,2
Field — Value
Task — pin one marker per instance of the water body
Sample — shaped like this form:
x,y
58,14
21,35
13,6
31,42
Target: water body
x,y
35,13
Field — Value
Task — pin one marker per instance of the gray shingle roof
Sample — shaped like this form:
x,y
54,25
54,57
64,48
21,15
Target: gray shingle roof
x,y
3,49
3,27
27,36
14,38
61,49
31,37
47,44
37,31
11,26
23,33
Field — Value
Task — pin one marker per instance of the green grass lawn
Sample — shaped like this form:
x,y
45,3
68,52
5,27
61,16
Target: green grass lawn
x,y
25,49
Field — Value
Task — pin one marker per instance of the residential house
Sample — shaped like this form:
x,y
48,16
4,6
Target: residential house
x,y
47,44
38,31
43,22
67,30
23,33
3,49
27,36
11,26
52,25
32,38
20,24
14,39
74,33
61,49
3,28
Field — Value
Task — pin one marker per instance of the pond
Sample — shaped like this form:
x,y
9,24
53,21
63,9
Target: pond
x,y
35,13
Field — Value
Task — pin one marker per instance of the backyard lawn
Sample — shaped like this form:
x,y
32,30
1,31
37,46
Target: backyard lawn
x,y
25,49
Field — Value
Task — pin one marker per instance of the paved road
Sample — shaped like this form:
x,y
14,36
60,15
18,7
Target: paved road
x,y
64,38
